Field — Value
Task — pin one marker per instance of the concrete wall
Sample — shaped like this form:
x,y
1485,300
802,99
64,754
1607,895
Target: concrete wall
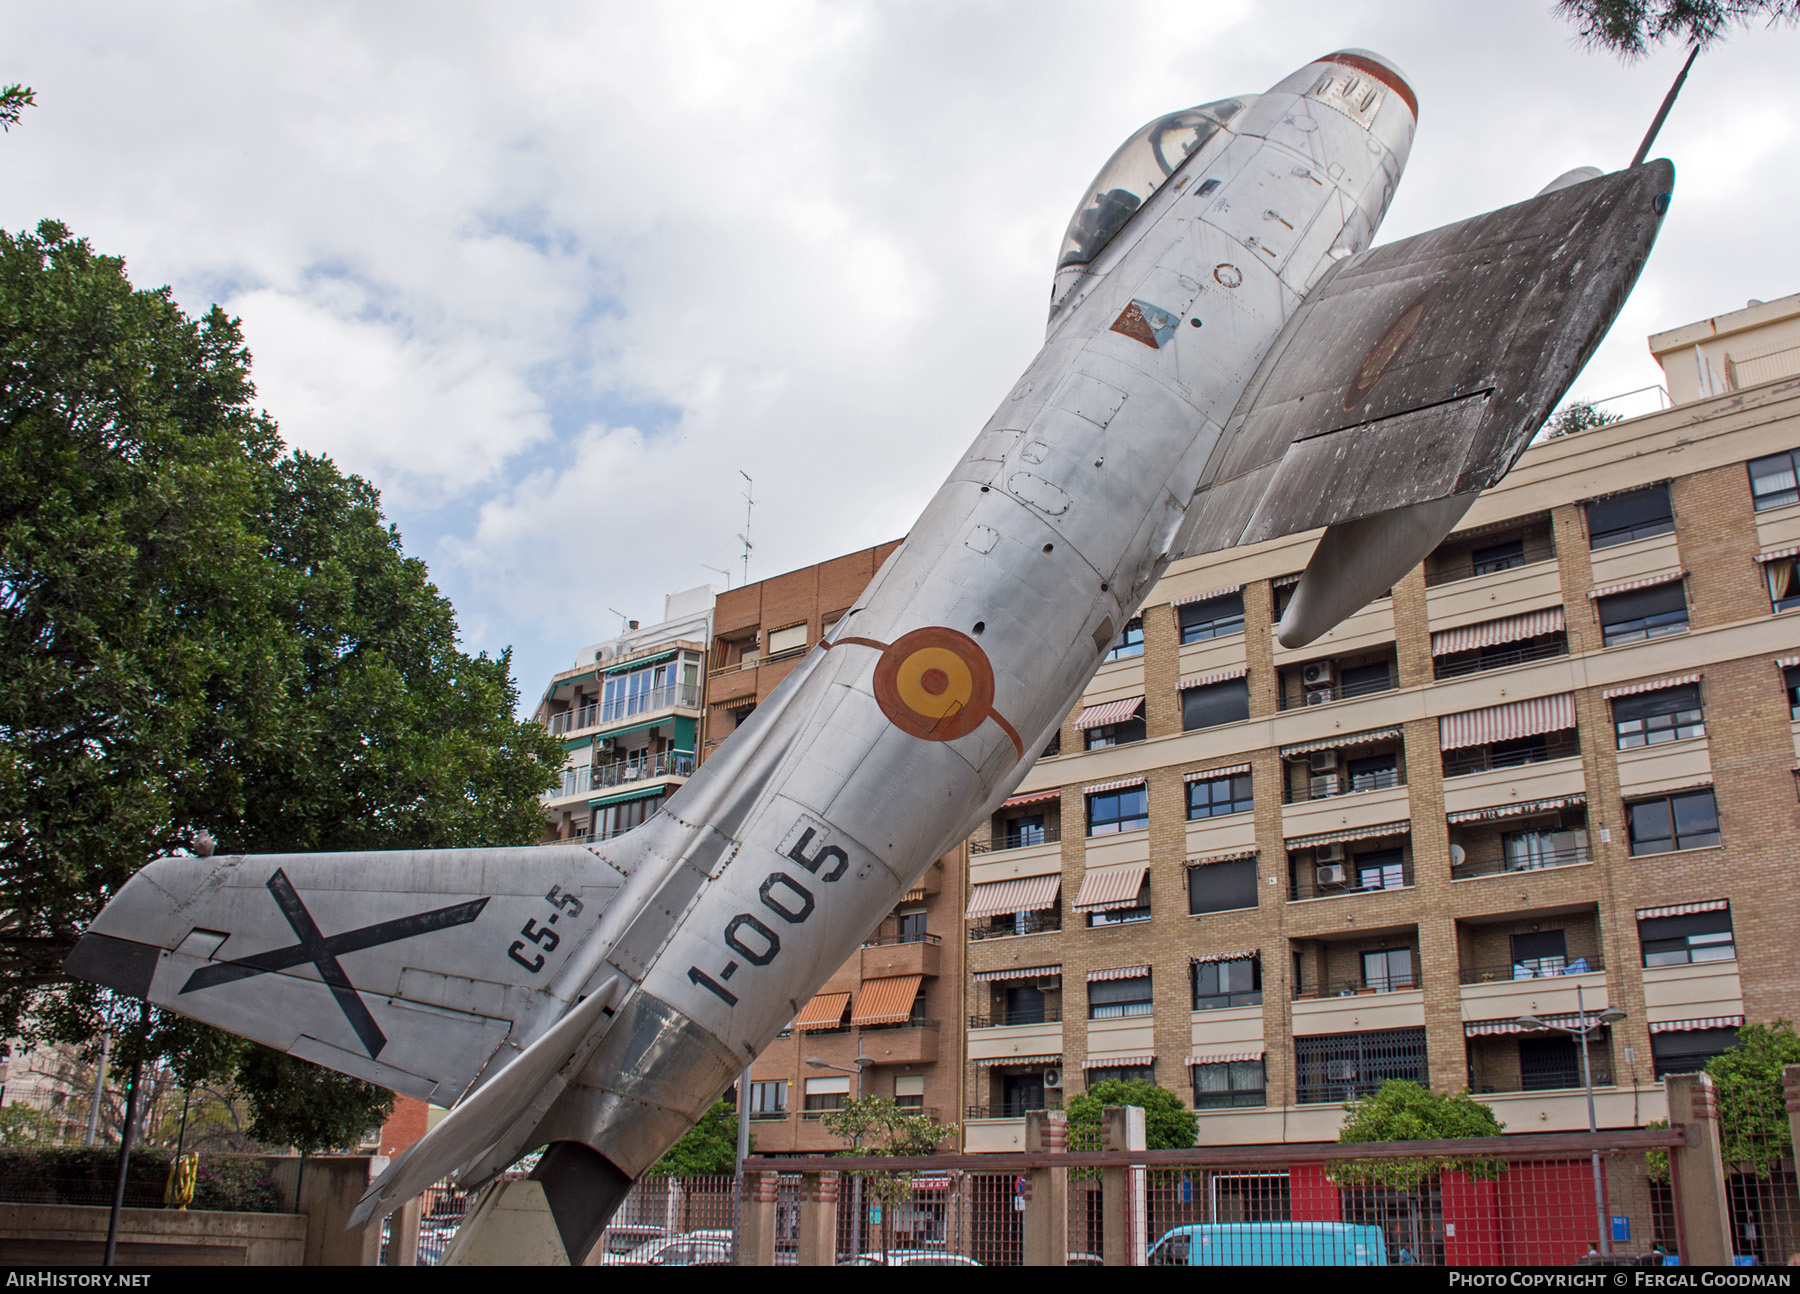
x,y
75,1235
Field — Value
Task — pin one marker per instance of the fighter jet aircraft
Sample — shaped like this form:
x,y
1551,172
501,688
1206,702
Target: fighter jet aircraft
x,y
1225,364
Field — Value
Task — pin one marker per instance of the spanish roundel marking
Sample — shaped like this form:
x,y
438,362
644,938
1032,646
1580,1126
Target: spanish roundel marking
x,y
935,684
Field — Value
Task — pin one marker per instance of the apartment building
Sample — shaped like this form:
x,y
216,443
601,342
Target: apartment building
x,y
888,1023
628,712
1553,770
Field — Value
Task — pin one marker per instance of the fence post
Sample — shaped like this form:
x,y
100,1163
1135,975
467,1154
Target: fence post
x,y
1046,1192
756,1229
403,1234
1698,1172
1122,1189
818,1220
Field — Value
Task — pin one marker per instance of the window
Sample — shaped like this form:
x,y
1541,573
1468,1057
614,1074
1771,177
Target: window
x,y
1526,851
1772,481
1130,642
1643,613
1110,812
1219,796
1222,887
1373,772
1783,578
912,926
1688,939
1790,679
1388,970
1213,618
792,638
1224,984
1283,592
1216,703
1539,952
1381,869
1112,999
1347,1066
1689,820
1549,1063
1652,718
1502,556
1361,680
616,819
1024,1005
1228,1084
826,1094
1018,833
909,1091
769,1100
1625,517
1138,911
1688,1051
1115,734
1123,1073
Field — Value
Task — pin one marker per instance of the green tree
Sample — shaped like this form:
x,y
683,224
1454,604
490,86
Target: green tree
x,y
1579,415
1631,28
14,99
1168,1124
1753,1122
875,1125
1401,1111
204,636
708,1148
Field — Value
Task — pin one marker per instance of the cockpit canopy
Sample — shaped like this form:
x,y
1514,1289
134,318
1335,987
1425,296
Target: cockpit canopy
x,y
1134,173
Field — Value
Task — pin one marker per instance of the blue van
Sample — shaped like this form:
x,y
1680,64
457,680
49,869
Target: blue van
x,y
1271,1244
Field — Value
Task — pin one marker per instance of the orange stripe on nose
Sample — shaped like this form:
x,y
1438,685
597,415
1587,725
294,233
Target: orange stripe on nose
x,y
1386,75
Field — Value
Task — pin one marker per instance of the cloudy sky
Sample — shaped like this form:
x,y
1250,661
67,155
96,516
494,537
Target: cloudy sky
x,y
551,275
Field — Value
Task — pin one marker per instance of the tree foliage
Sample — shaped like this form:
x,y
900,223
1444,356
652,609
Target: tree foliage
x,y
1168,1124
202,633
1631,28
1753,1122
1578,415
1402,1111
14,99
875,1125
706,1149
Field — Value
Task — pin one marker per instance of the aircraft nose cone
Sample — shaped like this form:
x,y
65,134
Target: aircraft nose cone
x,y
1382,69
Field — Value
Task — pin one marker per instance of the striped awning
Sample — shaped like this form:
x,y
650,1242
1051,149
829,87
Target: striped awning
x,y
1779,553
1116,888
1492,633
1340,741
1787,661
737,702
826,1011
1282,581
1571,1020
1223,856
1098,716
1242,954
886,1001
1507,722
1117,972
1517,808
642,661
918,895
1653,685
1687,1026
1033,797
1119,1062
1122,784
1212,774
1222,1057
1351,833
621,797
1683,909
1207,680
1002,898
994,1062
1206,597
1016,972
1607,590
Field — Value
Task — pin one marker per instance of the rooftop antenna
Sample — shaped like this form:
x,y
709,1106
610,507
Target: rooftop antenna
x,y
1662,112
624,620
721,570
749,504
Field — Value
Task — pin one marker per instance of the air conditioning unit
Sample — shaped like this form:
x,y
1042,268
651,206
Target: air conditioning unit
x,y
1045,985
1320,697
1328,854
1330,876
1052,1078
1324,761
1320,673
1323,785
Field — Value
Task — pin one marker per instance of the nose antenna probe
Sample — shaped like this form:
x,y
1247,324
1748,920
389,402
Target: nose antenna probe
x,y
1662,112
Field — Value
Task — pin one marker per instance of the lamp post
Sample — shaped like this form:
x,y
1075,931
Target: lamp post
x,y
858,1062
1610,1016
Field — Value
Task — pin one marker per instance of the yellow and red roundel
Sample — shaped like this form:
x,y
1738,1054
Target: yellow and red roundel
x,y
935,683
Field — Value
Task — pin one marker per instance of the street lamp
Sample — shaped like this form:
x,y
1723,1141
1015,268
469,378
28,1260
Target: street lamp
x,y
858,1063
1611,1015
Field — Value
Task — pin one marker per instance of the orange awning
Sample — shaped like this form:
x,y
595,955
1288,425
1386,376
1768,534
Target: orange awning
x,y
1102,891
826,1011
886,1001
1022,894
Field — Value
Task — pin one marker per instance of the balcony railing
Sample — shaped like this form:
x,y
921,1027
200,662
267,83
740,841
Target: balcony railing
x,y
911,1022
916,937
1013,1109
1499,866
1303,884
1482,759
1538,550
1393,983
621,772
656,698
1000,1019
1532,968
1324,786
1564,1081
1334,692
1047,921
1479,662
1224,1001
1048,835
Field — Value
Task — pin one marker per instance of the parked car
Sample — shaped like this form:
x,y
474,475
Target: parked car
x,y
910,1258
695,1249
1271,1244
621,1240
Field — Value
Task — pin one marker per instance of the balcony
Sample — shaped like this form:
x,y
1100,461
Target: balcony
x,y
1479,662
1358,1011
1493,992
1009,1019
999,1043
904,954
1394,983
669,696
1048,921
1335,692
1046,835
623,772
1487,759
1327,786
912,1043
1466,568
1526,783
1303,880
1013,1109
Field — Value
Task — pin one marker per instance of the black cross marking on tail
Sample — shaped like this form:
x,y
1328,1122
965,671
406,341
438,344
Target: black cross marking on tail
x,y
324,952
